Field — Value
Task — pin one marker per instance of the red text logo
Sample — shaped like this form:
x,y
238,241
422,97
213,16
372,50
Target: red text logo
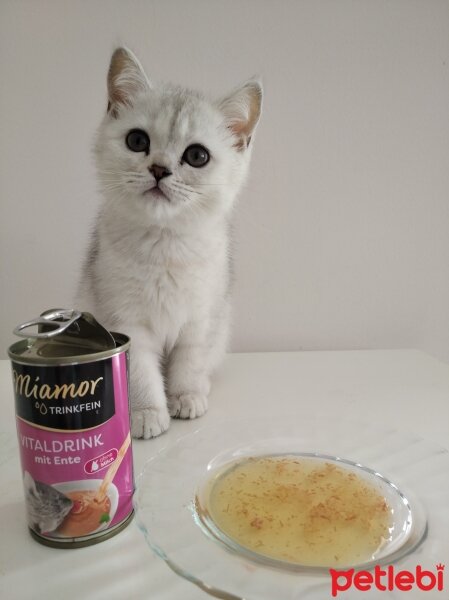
x,y
387,579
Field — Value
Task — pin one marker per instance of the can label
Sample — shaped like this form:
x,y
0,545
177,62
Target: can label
x,y
74,440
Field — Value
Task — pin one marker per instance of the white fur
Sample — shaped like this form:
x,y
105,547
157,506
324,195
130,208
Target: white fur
x,y
158,269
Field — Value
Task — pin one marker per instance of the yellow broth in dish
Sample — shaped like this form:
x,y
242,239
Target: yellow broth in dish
x,y
301,510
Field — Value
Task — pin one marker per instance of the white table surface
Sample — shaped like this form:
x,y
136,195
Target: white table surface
x,y
407,388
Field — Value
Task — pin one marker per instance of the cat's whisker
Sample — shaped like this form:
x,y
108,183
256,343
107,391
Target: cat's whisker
x,y
121,171
180,194
111,187
210,184
196,205
180,186
123,178
107,188
185,188
123,182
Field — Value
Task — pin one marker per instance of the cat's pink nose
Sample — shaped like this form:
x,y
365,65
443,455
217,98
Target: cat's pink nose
x,y
159,172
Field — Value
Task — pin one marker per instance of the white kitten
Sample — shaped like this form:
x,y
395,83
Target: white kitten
x,y
170,164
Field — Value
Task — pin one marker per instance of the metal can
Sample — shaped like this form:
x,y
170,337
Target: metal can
x,y
71,385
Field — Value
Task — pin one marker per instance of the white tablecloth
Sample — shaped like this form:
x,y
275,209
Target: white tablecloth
x,y
405,388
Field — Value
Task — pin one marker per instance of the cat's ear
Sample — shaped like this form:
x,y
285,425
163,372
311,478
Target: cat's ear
x,y
126,79
242,111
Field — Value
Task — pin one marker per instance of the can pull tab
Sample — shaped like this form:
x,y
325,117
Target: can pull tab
x,y
66,332
50,323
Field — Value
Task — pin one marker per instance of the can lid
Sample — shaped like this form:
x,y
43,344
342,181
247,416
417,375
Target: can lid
x,y
62,333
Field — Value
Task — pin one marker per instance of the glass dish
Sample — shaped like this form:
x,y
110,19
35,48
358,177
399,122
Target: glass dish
x,y
411,473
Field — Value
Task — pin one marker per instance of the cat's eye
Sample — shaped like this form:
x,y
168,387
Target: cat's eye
x,y
138,141
196,156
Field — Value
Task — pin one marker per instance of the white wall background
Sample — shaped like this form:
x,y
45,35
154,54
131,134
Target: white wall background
x,y
342,236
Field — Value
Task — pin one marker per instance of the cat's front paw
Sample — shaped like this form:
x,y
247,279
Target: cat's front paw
x,y
149,422
187,406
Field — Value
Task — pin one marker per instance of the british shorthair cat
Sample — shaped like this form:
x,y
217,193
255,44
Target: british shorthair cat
x,y
170,164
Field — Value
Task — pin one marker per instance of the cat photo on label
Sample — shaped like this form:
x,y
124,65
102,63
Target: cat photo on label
x,y
170,164
47,507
